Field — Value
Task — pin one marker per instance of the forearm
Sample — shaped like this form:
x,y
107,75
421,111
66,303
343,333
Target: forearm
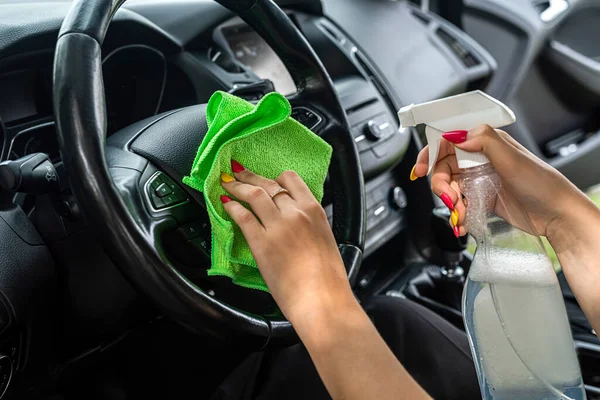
x,y
352,359
577,245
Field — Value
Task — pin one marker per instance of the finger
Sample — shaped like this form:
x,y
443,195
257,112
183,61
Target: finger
x,y
250,226
255,196
422,165
294,183
460,205
244,175
457,217
440,182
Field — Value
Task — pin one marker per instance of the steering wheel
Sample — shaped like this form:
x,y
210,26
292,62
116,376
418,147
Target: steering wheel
x,y
110,179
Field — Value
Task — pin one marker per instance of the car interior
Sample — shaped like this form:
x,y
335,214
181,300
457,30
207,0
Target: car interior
x,y
103,286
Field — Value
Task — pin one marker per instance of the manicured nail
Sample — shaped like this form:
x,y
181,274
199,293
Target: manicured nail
x,y
225,177
454,217
455,136
413,177
447,201
456,232
237,167
225,199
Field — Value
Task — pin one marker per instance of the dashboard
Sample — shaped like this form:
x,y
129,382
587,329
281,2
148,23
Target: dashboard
x,y
134,78
157,60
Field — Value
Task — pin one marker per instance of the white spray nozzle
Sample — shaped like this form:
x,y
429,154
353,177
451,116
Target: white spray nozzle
x,y
461,112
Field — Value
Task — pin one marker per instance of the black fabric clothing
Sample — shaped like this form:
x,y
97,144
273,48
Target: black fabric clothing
x,y
434,352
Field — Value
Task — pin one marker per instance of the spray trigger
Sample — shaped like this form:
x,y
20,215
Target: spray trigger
x,y
434,137
464,111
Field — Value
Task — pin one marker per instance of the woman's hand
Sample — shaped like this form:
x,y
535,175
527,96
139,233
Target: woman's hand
x,y
557,209
298,257
529,184
291,241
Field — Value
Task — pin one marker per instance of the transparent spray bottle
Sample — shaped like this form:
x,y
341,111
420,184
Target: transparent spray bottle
x,y
513,309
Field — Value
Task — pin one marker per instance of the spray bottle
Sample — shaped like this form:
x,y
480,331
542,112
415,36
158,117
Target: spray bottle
x,y
512,306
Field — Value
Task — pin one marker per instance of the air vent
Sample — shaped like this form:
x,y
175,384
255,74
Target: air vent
x,y
457,48
422,17
335,35
224,61
360,106
373,78
541,5
550,9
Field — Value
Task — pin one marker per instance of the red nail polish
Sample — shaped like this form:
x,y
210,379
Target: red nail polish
x,y
455,136
225,199
447,201
237,167
456,232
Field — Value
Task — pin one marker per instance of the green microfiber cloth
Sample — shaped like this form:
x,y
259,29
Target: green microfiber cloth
x,y
265,140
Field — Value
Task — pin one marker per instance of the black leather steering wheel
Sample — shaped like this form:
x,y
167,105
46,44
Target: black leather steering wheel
x,y
110,178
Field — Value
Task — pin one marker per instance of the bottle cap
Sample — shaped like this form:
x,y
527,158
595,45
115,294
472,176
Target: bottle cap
x,y
461,112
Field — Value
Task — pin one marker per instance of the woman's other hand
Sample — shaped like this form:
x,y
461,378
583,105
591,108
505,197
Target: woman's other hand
x,y
545,195
556,208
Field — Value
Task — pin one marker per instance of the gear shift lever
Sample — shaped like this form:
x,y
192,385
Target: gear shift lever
x,y
440,287
452,275
451,247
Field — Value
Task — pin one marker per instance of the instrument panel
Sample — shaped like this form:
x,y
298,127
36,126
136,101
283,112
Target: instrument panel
x,y
251,50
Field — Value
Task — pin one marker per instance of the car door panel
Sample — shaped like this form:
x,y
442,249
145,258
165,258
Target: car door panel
x,y
549,73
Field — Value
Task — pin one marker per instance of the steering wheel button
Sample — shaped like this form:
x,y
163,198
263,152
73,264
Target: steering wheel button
x,y
179,193
193,229
163,190
157,181
157,202
173,187
202,244
171,200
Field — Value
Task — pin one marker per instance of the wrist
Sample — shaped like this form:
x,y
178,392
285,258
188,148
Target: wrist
x,y
320,324
576,226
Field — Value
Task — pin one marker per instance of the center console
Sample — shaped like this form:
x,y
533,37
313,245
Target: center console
x,y
381,145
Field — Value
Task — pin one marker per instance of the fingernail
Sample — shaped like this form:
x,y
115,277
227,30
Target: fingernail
x,y
225,177
237,167
455,136
454,217
413,177
447,201
456,232
225,199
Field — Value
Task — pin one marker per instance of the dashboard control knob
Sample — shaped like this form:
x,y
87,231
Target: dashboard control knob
x,y
398,198
373,131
